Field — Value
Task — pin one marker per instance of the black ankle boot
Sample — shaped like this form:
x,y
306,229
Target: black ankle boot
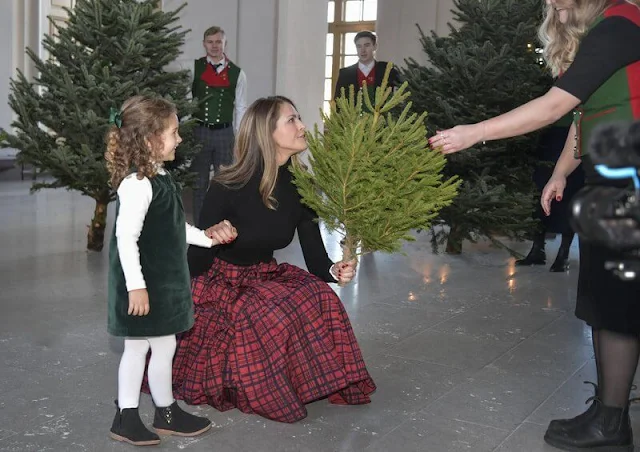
x,y
561,263
536,256
561,425
173,420
128,427
609,429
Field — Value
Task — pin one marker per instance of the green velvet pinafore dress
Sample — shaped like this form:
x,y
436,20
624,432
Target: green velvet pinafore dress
x,y
163,257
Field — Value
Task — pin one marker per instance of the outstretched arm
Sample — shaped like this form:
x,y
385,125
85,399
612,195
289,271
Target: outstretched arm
x,y
603,52
533,115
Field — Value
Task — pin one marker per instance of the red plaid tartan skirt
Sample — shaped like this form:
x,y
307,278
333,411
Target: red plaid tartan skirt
x,y
268,339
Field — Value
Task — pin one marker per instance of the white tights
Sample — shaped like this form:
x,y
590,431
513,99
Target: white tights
x,y
131,370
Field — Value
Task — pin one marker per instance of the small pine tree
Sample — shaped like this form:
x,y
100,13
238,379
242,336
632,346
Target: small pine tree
x,y
486,66
374,177
109,51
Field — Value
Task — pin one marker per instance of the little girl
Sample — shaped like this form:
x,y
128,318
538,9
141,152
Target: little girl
x,y
149,287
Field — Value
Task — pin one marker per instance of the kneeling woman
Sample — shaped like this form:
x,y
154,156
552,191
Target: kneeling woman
x,y
268,338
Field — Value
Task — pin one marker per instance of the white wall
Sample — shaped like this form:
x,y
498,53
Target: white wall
x,y
278,43
397,31
199,15
253,49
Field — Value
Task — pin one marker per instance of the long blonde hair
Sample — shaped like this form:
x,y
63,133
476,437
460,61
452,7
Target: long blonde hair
x,y
561,41
255,149
144,119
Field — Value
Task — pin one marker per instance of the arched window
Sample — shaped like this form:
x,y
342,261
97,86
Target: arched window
x,y
345,18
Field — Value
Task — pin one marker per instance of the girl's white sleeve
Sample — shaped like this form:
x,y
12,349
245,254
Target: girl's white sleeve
x,y
197,237
135,197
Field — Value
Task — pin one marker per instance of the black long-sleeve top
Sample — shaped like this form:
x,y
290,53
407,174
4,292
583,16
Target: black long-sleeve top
x,y
261,230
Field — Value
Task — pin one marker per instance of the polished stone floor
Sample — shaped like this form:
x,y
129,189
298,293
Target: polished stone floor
x,y
469,352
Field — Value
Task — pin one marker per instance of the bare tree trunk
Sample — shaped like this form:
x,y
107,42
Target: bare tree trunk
x,y
454,241
95,237
349,249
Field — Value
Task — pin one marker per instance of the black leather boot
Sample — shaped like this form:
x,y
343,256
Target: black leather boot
x,y
173,420
128,427
608,430
537,255
561,263
560,425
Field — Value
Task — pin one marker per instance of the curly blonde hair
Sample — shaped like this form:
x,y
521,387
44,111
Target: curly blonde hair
x,y
135,145
561,41
255,149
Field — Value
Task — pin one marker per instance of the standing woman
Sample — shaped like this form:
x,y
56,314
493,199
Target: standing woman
x,y
550,146
594,45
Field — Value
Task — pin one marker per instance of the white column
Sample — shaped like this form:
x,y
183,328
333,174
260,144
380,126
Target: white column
x,y
397,31
19,28
257,43
32,37
11,42
302,30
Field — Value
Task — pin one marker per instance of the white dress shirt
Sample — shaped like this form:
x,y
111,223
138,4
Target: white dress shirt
x,y
135,197
240,103
366,68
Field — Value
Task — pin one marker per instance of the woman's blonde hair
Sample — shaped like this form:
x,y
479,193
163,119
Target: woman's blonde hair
x,y
561,41
255,149
135,142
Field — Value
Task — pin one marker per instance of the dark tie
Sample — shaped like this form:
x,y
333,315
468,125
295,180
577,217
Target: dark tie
x,y
216,66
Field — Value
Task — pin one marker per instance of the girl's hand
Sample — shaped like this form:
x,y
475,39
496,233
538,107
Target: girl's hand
x,y
344,272
457,139
222,233
554,189
138,302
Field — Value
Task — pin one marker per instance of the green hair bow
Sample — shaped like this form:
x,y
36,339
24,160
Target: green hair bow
x,y
115,117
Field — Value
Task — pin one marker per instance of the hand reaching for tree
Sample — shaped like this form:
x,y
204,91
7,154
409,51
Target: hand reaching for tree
x,y
457,138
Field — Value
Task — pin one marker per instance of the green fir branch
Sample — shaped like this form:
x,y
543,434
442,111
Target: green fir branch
x,y
373,177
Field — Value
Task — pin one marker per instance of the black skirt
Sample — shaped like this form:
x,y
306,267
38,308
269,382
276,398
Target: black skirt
x,y
604,300
550,147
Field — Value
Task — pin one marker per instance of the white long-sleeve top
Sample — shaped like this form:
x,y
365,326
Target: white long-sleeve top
x,y
135,197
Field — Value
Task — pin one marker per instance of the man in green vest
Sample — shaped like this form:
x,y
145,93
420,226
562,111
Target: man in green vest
x,y
224,86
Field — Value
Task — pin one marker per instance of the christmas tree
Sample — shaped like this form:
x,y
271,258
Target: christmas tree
x,y
108,51
374,178
488,65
